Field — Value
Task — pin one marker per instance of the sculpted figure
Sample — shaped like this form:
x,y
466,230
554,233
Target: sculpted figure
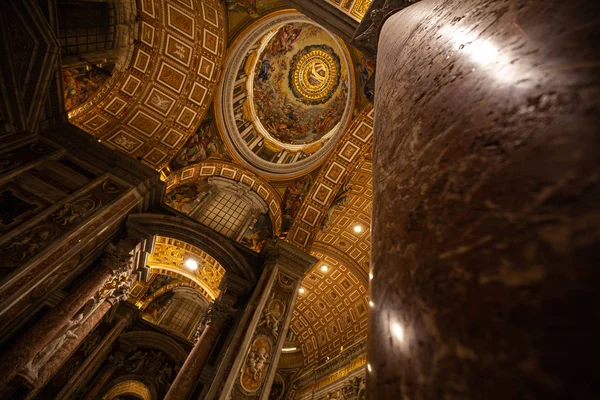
x,y
257,360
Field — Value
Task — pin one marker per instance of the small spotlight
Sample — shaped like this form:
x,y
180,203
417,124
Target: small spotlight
x,y
371,304
302,290
191,264
369,367
324,268
370,275
341,348
358,228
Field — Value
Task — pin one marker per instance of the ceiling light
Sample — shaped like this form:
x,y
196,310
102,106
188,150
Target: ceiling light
x,y
358,228
324,268
191,264
289,349
369,367
302,290
370,275
371,303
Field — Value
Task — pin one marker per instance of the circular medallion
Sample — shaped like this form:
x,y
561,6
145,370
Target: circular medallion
x,y
315,74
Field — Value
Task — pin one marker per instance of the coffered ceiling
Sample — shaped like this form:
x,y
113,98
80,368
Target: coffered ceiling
x,y
149,109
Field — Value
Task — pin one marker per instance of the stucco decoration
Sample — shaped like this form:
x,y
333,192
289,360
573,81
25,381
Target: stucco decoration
x,y
287,95
256,364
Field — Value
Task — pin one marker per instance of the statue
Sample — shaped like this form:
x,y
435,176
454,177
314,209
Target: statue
x,y
271,322
139,358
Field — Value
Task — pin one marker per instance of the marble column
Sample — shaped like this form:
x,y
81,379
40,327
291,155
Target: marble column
x,y
486,205
63,354
44,331
218,314
80,378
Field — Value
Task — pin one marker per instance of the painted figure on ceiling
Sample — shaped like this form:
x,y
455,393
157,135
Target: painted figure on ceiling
x,y
248,6
264,73
256,236
80,85
366,69
292,199
157,308
202,145
184,197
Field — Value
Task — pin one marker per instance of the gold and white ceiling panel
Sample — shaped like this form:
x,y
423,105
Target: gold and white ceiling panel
x,y
150,108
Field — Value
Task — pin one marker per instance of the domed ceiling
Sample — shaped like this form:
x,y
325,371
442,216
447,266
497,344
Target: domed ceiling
x,y
296,93
287,94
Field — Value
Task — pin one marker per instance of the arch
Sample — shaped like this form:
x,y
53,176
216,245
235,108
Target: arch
x,y
156,341
131,387
147,225
235,173
168,288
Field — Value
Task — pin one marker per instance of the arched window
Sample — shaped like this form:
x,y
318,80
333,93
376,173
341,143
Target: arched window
x,y
178,311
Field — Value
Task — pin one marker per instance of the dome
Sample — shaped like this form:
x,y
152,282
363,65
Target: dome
x,y
287,94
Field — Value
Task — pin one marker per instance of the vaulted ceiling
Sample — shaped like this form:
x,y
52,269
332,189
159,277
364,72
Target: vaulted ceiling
x,y
150,108
158,106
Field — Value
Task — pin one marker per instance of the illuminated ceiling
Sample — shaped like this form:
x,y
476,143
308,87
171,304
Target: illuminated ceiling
x,y
150,108
331,314
287,94
171,255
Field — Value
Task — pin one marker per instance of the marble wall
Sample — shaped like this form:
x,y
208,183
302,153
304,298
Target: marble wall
x,y
486,201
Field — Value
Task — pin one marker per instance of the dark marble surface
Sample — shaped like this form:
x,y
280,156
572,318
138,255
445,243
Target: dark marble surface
x,y
366,36
486,212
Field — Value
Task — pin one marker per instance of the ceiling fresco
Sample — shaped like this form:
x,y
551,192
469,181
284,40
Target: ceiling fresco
x,y
288,93
300,88
150,107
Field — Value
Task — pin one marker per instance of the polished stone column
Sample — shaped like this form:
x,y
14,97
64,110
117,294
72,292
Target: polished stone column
x,y
44,331
80,378
486,211
63,354
217,316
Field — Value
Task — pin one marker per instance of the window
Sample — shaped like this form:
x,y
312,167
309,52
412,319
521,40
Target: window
x,y
185,312
225,214
85,27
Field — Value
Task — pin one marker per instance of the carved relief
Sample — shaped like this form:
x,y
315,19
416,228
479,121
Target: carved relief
x,y
74,212
256,364
27,244
66,333
272,316
153,364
